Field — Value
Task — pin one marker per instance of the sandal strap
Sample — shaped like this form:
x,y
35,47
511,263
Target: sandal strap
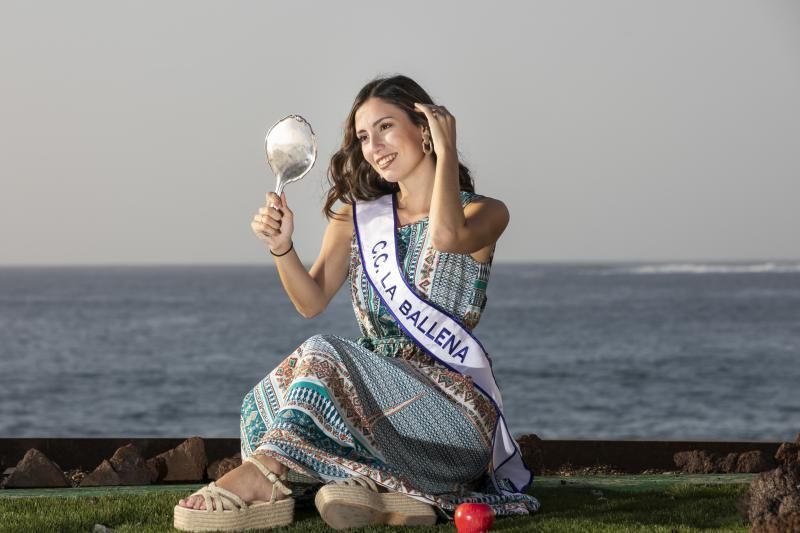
x,y
213,494
362,481
270,475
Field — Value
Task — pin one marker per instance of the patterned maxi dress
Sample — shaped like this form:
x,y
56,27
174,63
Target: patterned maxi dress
x,y
379,406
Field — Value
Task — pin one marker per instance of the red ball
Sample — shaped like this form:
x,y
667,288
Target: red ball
x,y
474,518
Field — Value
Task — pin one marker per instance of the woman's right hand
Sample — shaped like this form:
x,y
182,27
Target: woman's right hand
x,y
274,225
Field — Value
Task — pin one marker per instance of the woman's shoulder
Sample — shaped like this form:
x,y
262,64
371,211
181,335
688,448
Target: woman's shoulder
x,y
468,197
344,214
341,223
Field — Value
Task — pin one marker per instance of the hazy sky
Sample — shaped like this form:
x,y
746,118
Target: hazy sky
x,y
132,132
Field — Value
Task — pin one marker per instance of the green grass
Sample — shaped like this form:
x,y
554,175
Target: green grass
x,y
603,504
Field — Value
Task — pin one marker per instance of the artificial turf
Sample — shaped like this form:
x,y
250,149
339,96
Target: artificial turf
x,y
568,504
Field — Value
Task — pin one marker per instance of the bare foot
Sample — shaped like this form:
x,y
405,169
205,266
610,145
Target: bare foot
x,y
246,481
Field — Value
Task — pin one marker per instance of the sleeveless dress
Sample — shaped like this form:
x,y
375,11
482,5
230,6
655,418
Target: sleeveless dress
x,y
379,406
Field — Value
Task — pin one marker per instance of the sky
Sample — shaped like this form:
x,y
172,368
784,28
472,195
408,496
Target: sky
x,y
132,133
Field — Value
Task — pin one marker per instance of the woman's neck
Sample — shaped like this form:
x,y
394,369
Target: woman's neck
x,y
416,190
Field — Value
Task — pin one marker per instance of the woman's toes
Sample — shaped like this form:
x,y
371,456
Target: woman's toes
x,y
192,502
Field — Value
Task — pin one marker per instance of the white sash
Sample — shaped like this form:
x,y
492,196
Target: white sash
x,y
434,329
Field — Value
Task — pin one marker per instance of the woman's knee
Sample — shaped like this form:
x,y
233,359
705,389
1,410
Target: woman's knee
x,y
318,339
248,402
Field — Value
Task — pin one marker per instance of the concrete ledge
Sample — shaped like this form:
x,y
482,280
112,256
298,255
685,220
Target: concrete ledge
x,y
630,456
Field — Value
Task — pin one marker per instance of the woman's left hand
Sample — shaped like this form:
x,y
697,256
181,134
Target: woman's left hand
x,y
442,126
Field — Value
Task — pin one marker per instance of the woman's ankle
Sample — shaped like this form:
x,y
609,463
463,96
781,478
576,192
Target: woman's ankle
x,y
266,460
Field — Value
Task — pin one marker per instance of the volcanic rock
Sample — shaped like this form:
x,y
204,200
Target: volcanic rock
x,y
696,461
36,470
754,462
727,464
103,475
789,452
705,462
774,496
185,462
220,467
126,467
532,451
787,524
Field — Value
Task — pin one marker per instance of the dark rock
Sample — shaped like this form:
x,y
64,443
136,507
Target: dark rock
x,y
696,461
775,500
727,465
789,452
103,475
705,462
126,467
219,468
36,470
790,504
157,466
754,462
185,462
532,451
131,466
775,495
784,524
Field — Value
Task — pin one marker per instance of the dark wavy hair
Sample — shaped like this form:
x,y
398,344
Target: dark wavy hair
x,y
351,177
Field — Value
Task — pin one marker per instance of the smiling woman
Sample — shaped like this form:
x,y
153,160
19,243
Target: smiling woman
x,y
406,419
388,124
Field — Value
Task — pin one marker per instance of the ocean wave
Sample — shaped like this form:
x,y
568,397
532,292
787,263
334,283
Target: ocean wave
x,y
708,268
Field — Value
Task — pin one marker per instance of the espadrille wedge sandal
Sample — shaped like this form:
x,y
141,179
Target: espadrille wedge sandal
x,y
359,502
231,513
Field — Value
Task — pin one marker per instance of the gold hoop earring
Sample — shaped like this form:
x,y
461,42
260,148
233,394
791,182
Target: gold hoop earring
x,y
427,145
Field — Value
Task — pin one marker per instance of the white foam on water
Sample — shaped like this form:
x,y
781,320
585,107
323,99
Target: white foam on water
x,y
710,268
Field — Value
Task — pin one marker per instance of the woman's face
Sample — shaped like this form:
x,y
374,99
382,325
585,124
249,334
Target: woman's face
x,y
383,129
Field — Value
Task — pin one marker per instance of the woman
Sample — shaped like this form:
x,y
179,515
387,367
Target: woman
x,y
382,420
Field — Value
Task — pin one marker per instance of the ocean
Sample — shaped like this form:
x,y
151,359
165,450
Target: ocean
x,y
707,351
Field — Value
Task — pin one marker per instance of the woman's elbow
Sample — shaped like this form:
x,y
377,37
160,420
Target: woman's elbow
x,y
309,313
442,242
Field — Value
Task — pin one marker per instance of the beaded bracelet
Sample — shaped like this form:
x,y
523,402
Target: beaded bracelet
x,y
284,253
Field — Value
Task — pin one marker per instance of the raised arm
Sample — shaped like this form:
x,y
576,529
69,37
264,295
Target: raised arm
x,y
310,291
474,228
485,220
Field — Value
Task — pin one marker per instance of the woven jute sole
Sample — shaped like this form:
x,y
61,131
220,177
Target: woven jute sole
x,y
257,515
345,506
301,479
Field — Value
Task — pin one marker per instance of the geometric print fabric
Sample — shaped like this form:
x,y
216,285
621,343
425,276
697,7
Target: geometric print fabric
x,y
378,405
